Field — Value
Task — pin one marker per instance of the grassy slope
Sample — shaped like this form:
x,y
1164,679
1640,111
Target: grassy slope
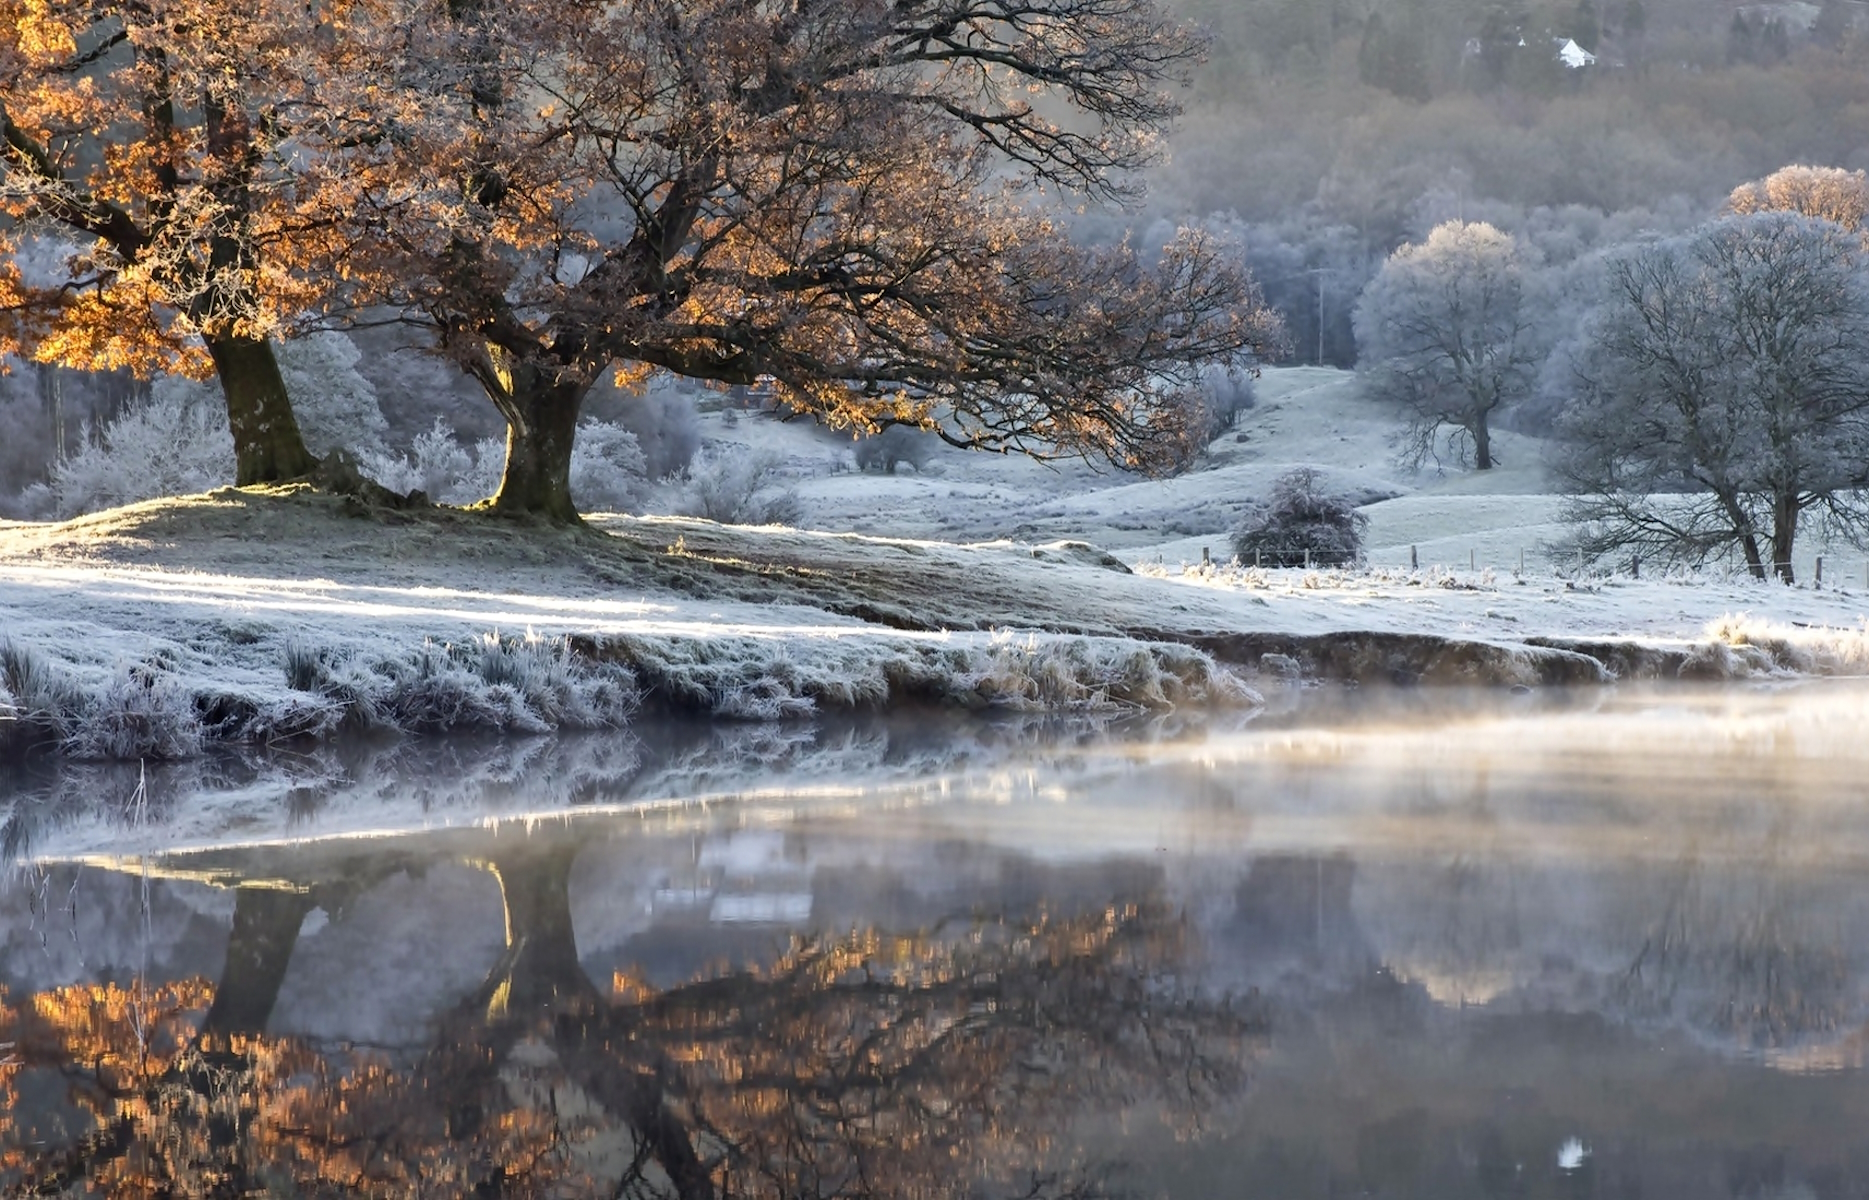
x,y
223,590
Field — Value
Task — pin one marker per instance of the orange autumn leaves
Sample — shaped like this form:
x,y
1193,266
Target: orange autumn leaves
x,y
153,178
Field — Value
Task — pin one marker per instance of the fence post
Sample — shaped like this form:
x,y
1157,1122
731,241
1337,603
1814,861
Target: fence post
x,y
1820,571
1414,562
1473,559
1635,566
1206,558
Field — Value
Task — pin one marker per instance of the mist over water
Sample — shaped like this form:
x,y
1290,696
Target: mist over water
x,y
1382,943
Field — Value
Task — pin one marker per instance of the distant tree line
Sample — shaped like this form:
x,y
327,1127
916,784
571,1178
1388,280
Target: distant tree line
x,y
1708,390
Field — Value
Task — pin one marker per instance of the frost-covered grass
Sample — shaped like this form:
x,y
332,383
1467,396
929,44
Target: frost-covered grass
x,y
763,680
137,712
167,701
129,663
1743,646
278,618
1679,607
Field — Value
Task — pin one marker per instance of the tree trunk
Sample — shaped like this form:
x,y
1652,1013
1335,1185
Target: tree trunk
x,y
541,422
1785,509
259,949
1755,561
1482,444
1742,526
267,445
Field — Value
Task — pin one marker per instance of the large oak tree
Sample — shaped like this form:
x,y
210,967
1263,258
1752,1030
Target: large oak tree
x,y
1722,394
842,197
148,154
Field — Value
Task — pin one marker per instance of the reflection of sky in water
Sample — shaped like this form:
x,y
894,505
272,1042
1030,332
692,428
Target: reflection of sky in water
x,y
1564,945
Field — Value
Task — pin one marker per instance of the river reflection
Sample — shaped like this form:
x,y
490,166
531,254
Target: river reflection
x,y
1609,945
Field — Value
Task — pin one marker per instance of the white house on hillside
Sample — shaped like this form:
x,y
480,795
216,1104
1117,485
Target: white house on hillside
x,y
1574,56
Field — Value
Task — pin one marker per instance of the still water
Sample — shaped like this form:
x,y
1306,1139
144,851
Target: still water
x,y
1612,944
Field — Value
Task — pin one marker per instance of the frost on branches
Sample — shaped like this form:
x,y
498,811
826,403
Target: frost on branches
x,y
1447,333
816,196
1723,401
171,146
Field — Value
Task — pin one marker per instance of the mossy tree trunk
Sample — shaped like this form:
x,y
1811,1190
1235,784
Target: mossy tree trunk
x,y
268,447
541,408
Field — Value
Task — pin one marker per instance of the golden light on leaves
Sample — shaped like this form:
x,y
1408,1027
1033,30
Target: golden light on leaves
x,y
1830,193
42,34
182,226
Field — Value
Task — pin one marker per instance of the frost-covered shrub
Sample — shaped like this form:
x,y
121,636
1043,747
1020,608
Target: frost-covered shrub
x,y
1301,525
174,443
439,467
894,446
608,470
736,486
38,404
662,418
415,384
1227,395
335,405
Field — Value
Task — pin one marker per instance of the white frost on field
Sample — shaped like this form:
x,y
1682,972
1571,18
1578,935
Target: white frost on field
x,y
127,663
139,650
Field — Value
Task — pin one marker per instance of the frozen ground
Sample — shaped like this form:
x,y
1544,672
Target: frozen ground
x,y
1305,416
985,582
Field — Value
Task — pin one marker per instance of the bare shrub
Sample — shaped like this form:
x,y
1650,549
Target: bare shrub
x,y
1302,524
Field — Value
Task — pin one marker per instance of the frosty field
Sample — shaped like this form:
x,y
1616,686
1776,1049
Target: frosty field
x,y
983,582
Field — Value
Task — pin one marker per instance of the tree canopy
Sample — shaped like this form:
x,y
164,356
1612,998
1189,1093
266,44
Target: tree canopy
x,y
153,159
1722,393
843,199
1830,193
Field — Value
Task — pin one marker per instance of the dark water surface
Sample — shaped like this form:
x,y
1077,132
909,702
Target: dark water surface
x,y
1445,945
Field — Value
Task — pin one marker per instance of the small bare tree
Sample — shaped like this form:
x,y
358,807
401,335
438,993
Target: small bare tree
x,y
1444,331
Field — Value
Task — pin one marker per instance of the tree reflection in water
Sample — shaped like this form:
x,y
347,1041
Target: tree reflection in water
x,y
954,1061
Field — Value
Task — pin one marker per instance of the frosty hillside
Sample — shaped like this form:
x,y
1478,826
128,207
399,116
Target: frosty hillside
x,y
154,629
